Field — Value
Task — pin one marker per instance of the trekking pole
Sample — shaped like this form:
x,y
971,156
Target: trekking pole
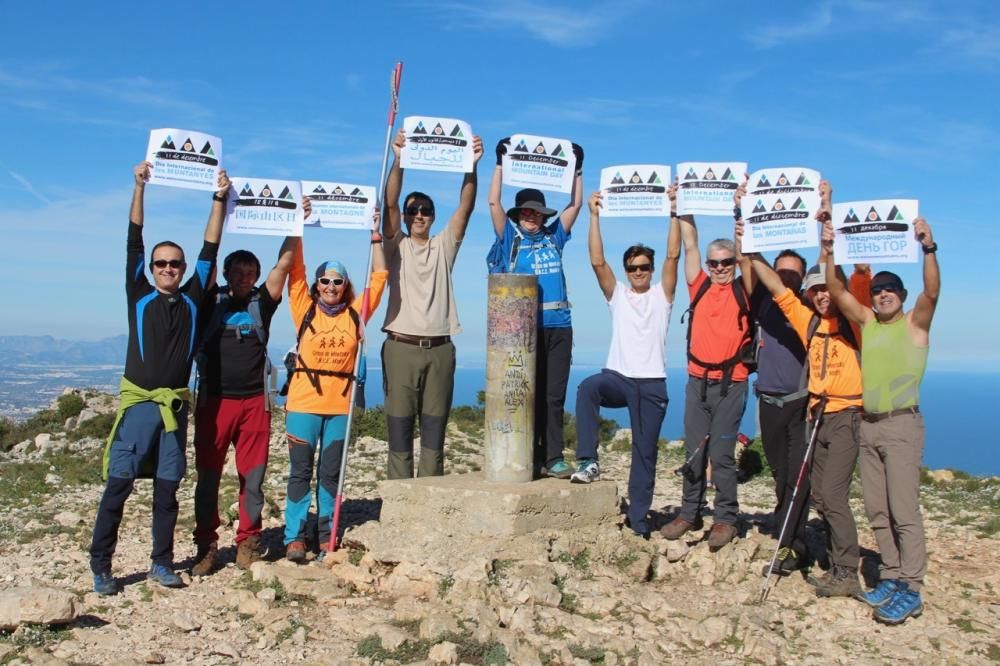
x,y
820,407
396,77
687,469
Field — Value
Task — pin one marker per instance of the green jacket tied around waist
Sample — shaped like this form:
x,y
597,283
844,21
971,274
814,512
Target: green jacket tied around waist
x,y
170,401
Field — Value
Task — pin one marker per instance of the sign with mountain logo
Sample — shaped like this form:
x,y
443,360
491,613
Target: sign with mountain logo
x,y
540,162
184,158
779,209
437,144
635,190
707,188
264,207
338,205
875,232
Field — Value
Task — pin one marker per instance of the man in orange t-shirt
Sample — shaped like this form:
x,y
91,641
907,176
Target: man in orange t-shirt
x,y
716,393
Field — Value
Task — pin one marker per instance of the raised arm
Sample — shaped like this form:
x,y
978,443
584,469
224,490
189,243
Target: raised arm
x,y
276,278
668,279
835,282
572,209
378,253
393,190
692,255
923,311
595,246
213,229
497,213
141,174
746,269
467,198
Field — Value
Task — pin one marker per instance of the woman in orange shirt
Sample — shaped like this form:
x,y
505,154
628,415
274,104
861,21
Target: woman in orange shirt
x,y
327,318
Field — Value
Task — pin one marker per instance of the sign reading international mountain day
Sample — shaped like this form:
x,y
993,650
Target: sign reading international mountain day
x,y
635,190
339,205
264,207
541,162
779,209
184,158
875,231
707,188
437,144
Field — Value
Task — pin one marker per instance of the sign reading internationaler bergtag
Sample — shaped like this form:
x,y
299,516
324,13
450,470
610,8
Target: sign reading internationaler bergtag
x,y
779,209
875,231
339,205
437,144
182,158
707,188
265,207
635,190
540,162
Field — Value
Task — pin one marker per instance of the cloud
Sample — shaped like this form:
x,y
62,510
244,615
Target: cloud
x,y
813,25
562,26
29,188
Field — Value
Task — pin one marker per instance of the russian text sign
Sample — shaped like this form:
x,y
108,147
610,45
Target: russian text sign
x,y
875,232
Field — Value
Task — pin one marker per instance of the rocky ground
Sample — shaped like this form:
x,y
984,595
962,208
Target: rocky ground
x,y
553,597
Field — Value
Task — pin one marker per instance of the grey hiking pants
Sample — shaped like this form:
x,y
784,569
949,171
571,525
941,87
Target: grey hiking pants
x,y
719,415
891,453
834,458
417,380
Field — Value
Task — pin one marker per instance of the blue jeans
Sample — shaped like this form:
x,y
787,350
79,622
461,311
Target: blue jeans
x,y
646,400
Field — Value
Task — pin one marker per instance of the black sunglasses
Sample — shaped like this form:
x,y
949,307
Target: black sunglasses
x,y
877,289
163,263
632,268
336,282
426,211
726,263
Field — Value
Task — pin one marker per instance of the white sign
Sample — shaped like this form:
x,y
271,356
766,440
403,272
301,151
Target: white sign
x,y
875,232
540,162
182,158
339,205
264,207
635,190
707,188
437,144
779,209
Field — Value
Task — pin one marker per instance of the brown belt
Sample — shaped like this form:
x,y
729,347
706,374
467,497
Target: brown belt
x,y
423,343
875,417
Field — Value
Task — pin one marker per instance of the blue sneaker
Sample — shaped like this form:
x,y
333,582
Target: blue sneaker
x,y
905,603
559,470
164,576
588,471
105,585
880,595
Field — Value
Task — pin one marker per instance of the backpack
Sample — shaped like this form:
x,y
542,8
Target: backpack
x,y
293,362
846,331
216,323
747,352
496,262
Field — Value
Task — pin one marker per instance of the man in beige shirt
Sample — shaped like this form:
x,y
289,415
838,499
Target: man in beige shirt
x,y
418,356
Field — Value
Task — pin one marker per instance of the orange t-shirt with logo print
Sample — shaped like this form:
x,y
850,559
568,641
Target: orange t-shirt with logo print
x,y
717,329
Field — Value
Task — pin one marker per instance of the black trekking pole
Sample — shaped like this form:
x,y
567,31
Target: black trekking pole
x,y
817,422
687,469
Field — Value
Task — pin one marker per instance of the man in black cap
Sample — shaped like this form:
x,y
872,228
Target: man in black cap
x,y
532,246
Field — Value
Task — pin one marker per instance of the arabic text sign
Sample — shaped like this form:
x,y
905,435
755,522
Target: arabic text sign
x,y
635,190
339,205
265,207
182,158
437,144
779,209
707,188
875,232
540,162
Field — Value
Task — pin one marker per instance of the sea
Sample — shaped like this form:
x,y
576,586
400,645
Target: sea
x,y
957,406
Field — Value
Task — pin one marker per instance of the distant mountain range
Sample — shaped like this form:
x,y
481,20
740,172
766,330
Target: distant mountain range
x,y
47,350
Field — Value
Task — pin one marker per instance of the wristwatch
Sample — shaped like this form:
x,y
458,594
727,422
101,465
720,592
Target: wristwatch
x,y
216,197
929,249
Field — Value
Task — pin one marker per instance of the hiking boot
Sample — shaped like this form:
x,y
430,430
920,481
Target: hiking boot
x,y
678,527
560,469
785,563
903,604
164,576
881,595
204,563
248,551
296,551
105,585
588,472
842,583
720,535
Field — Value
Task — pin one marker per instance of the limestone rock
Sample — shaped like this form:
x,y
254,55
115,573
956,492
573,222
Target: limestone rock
x,y
68,518
37,605
436,624
185,622
392,637
941,475
443,653
410,580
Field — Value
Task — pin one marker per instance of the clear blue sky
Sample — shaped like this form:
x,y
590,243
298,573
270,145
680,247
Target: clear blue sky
x,y
886,99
